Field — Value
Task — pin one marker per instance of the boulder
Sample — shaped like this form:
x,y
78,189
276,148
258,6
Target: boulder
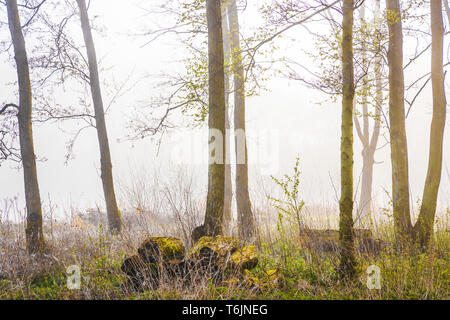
x,y
163,258
140,274
165,249
245,258
219,248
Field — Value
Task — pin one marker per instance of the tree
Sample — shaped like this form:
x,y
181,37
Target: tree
x,y
246,223
399,150
34,232
228,198
347,260
112,210
423,229
369,142
216,120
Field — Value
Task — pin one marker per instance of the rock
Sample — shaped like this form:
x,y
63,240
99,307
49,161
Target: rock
x,y
222,247
132,264
140,273
245,258
198,233
157,249
156,257
161,259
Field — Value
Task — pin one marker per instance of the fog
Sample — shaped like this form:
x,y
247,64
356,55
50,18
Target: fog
x,y
284,121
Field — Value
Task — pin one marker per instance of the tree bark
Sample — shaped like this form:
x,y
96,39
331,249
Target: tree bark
x,y
369,143
227,211
34,233
424,226
216,121
399,150
112,210
347,260
246,222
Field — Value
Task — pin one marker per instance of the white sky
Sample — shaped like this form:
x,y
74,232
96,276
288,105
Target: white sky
x,y
288,109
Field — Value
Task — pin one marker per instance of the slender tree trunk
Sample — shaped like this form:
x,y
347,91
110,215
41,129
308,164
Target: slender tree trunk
x,y
365,200
227,213
399,150
424,226
447,10
347,261
112,210
216,121
34,233
366,181
246,222
369,143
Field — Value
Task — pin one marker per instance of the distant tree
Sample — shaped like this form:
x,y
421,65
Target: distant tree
x,y
34,232
369,140
112,209
228,198
347,261
423,228
246,222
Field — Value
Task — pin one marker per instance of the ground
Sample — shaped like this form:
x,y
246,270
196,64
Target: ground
x,y
287,269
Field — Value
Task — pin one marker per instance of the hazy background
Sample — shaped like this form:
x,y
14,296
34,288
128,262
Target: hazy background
x,y
288,120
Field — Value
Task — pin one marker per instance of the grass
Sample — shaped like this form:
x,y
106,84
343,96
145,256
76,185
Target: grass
x,y
286,270
287,267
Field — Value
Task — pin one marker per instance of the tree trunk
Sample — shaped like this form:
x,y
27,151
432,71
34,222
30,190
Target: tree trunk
x,y
424,226
34,233
112,210
399,150
365,200
227,213
216,121
347,261
369,143
246,222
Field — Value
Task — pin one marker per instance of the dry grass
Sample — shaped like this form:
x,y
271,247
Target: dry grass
x,y
287,269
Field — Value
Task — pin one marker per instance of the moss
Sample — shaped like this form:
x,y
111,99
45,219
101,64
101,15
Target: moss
x,y
166,248
245,258
221,245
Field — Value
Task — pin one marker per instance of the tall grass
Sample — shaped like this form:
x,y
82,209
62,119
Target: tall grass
x,y
288,268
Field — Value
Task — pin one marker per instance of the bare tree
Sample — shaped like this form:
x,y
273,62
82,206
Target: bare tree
x,y
34,231
113,212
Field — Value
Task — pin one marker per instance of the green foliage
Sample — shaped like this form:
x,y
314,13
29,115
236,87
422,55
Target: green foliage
x,y
291,206
304,274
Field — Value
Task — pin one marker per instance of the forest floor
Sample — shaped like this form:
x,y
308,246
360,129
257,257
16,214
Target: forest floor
x,y
287,269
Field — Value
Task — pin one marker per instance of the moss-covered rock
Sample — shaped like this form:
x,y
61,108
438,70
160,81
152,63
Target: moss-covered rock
x,y
211,258
140,274
245,258
154,249
223,247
